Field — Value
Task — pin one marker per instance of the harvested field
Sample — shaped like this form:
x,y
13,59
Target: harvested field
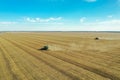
x,y
71,56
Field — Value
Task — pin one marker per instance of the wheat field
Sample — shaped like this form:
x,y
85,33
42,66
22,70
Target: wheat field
x,y
71,56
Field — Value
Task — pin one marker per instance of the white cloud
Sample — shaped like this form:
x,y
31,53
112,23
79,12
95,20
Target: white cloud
x,y
82,19
40,20
30,20
90,0
110,16
107,22
107,25
7,23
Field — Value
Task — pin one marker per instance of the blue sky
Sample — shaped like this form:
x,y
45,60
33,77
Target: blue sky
x,y
60,15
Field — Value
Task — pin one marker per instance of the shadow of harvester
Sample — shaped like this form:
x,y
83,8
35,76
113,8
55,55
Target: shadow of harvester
x,y
44,48
96,38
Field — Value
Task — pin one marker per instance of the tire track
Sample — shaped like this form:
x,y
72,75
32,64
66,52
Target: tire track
x,y
105,59
14,76
97,71
91,69
63,43
11,65
31,73
73,77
